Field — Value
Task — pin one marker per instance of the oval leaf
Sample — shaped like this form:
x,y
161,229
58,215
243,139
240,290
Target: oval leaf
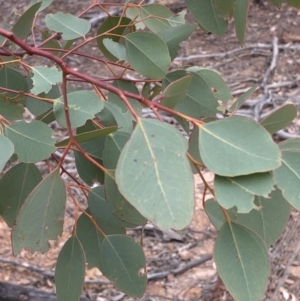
x,y
157,152
122,261
70,270
142,52
280,118
70,26
242,262
240,13
33,141
229,147
46,204
83,105
15,186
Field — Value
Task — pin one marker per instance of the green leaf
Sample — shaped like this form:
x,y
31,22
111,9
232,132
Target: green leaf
x,y
278,3
44,3
14,80
70,26
22,28
70,270
88,136
15,186
10,110
103,213
122,261
155,16
214,213
142,52
7,150
280,118
237,146
157,152
121,207
240,101
90,239
112,28
287,176
242,262
240,13
295,3
240,191
43,78
174,36
199,101
88,171
124,120
224,8
115,49
83,105
125,86
46,203
32,141
206,15
193,149
114,143
215,82
268,221
176,91
38,107
134,13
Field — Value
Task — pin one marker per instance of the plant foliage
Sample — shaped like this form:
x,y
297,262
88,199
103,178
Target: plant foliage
x,y
144,168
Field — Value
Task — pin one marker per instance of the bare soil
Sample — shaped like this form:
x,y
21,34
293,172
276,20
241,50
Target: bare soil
x,y
241,67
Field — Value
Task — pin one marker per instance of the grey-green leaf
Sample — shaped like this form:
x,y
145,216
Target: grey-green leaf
x,y
237,146
70,270
83,105
15,186
7,150
240,191
241,99
124,263
70,26
240,13
280,118
287,176
207,16
44,78
156,152
46,204
242,262
32,141
11,110
142,52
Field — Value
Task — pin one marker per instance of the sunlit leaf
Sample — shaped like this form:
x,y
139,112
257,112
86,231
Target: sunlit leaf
x,y
70,270
124,263
46,204
33,141
70,26
157,153
142,49
242,262
240,191
237,146
44,78
83,105
7,150
15,186
280,118
207,16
